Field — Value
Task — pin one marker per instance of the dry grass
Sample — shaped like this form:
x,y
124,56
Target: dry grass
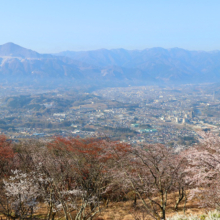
x,y
126,211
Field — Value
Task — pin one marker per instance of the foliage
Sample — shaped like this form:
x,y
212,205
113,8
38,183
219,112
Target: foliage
x,y
19,198
204,170
77,178
72,175
6,155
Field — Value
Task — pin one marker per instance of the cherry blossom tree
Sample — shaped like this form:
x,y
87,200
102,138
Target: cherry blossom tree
x,y
204,170
153,172
19,196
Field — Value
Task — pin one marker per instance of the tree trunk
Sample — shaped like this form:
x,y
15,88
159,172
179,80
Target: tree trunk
x,y
135,200
184,208
163,217
49,211
53,215
181,196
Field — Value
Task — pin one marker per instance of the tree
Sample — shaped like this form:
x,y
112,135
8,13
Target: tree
x,y
92,165
153,173
6,165
73,175
19,196
50,173
6,155
204,170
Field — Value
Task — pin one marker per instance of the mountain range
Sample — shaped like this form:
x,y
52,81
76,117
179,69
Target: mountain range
x,y
110,67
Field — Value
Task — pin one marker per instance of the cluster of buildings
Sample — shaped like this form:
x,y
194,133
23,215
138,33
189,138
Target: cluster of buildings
x,y
150,114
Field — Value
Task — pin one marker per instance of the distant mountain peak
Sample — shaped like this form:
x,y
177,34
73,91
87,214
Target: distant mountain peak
x,y
11,49
10,43
14,50
11,46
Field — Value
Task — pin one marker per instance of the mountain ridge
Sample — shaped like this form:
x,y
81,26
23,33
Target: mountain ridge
x,y
151,65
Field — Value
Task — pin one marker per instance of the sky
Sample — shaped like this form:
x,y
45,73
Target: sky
x,y
50,26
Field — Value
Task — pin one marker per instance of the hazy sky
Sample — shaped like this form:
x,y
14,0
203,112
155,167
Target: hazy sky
x,y
56,25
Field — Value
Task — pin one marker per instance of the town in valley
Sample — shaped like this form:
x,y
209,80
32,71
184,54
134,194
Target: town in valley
x,y
144,114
